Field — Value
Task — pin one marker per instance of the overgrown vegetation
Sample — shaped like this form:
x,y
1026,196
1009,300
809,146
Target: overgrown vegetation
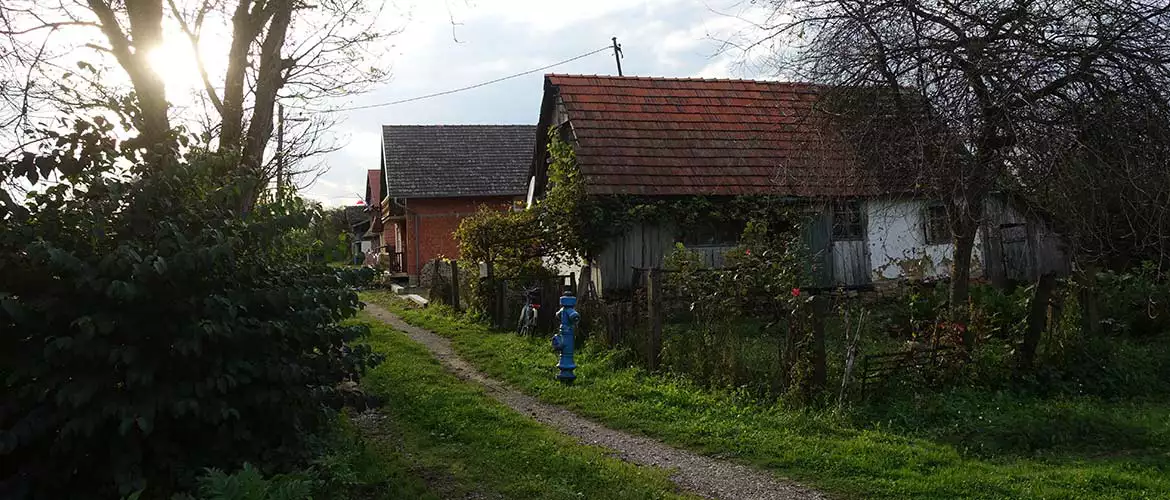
x,y
472,446
153,330
956,442
747,323
346,466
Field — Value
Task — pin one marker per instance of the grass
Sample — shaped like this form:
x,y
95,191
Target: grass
x,y
956,444
465,442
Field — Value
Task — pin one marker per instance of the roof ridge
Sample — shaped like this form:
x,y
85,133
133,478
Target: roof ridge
x,y
689,79
457,125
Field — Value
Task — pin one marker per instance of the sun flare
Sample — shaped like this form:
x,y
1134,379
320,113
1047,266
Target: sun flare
x,y
176,64
174,60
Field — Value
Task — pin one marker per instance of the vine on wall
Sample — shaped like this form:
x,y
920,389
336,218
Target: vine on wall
x,y
569,224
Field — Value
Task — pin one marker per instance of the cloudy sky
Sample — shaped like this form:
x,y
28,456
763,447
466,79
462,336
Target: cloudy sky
x,y
493,38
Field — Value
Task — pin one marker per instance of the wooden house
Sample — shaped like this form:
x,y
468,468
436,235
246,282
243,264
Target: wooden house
x,y
674,137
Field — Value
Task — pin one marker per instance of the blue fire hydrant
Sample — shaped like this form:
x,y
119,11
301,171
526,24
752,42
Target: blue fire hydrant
x,y
563,342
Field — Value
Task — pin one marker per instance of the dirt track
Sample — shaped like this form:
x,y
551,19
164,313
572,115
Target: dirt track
x,y
695,473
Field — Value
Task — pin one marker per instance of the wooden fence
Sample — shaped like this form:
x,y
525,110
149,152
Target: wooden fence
x,y
505,298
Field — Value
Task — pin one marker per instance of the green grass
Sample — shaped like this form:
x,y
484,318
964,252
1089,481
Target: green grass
x,y
352,467
466,442
955,444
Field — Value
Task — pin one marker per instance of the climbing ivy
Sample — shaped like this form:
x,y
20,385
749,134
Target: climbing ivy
x,y
580,224
569,223
576,224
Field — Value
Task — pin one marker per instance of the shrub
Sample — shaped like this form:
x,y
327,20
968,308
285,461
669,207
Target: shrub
x,y
249,484
151,330
1135,303
769,354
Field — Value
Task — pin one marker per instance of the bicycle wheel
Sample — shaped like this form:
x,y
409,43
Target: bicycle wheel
x,y
523,325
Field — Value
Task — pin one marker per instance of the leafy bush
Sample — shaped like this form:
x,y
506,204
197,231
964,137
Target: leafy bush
x,y
151,330
768,354
1135,303
249,484
511,242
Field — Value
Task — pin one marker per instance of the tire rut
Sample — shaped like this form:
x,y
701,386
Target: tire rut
x,y
698,474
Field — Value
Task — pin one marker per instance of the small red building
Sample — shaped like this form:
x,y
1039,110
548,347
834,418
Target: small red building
x,y
372,237
435,175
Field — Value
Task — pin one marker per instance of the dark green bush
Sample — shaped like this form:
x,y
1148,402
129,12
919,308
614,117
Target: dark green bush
x,y
1135,303
150,330
249,484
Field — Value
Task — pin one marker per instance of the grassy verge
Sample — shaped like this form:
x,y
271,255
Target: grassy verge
x,y
958,444
468,443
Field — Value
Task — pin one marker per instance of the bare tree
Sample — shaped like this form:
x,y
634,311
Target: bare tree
x,y
992,71
1105,173
279,49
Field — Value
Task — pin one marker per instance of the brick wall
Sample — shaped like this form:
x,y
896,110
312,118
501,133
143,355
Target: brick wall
x,y
437,220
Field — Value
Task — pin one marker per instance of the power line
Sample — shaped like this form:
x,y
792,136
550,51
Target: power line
x,y
469,87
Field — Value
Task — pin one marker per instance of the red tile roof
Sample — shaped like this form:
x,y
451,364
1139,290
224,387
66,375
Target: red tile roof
x,y
680,136
373,188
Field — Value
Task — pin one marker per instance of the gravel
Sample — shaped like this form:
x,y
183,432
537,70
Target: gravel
x,y
698,474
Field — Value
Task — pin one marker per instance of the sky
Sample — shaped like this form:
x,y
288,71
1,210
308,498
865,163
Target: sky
x,y
455,43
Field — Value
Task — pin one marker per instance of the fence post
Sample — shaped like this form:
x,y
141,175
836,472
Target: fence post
x,y
1037,321
819,310
455,285
654,314
502,304
788,353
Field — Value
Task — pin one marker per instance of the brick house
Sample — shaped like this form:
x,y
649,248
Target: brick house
x,y
673,137
435,175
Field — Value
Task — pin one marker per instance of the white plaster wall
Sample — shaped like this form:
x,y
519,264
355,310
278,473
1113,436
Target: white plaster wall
x,y
897,243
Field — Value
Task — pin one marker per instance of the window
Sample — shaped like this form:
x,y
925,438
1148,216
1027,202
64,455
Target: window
x,y
848,223
935,225
711,233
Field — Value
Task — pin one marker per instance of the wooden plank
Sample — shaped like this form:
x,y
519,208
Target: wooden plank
x,y
817,232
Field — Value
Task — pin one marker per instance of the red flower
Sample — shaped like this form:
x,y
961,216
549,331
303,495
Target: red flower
x,y
747,252
796,292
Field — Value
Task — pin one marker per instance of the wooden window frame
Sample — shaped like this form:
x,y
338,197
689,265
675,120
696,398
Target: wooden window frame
x,y
714,234
935,235
852,229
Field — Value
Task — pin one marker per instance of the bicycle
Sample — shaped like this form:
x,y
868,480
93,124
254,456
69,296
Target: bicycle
x,y
527,323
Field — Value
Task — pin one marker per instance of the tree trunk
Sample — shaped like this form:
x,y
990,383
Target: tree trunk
x,y
269,81
147,35
245,28
132,50
964,224
1037,321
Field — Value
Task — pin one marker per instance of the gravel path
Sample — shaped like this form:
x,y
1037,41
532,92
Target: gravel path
x,y
695,473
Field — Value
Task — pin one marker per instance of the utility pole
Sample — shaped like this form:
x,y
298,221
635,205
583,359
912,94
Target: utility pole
x,y
281,163
617,55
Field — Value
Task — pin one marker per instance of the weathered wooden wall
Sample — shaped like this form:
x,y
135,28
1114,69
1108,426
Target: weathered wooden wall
x,y
1012,245
850,263
1020,246
642,246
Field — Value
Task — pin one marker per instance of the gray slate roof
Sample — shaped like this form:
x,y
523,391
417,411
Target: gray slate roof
x,y
437,161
